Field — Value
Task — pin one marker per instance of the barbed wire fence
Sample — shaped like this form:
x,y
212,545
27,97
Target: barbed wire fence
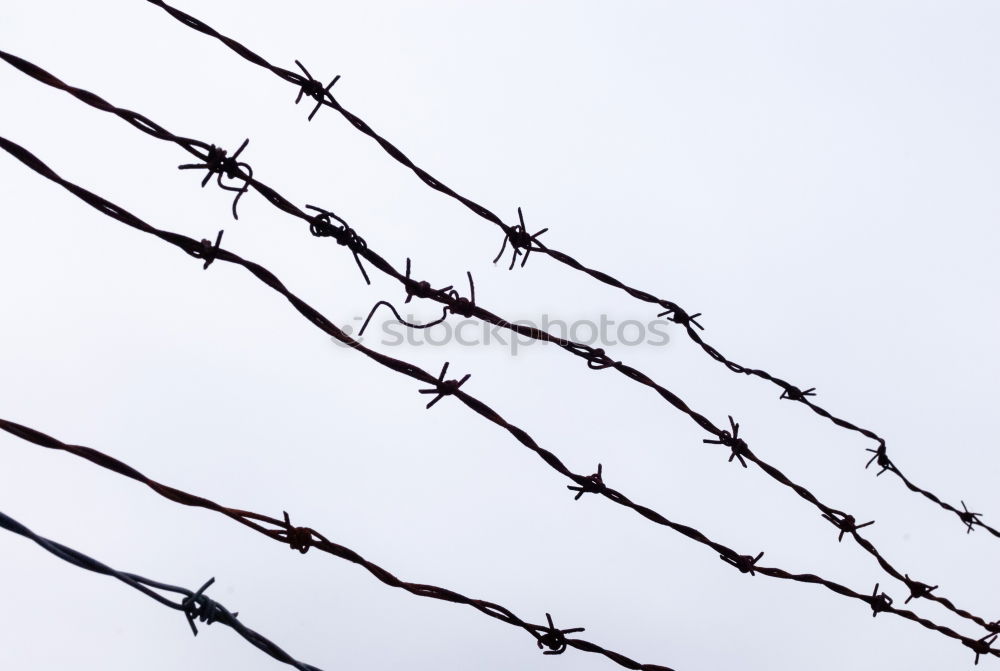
x,y
302,539
233,173
209,253
522,243
218,164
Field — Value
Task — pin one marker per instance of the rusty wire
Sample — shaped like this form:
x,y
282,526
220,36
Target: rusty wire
x,y
596,358
196,606
302,538
523,242
206,251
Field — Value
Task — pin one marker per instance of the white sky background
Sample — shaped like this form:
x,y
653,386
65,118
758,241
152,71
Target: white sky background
x,y
818,178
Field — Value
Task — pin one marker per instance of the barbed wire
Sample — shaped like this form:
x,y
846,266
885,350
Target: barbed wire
x,y
196,606
522,242
303,538
216,161
205,250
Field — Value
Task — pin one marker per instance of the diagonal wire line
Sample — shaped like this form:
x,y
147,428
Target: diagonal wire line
x,y
195,605
521,241
303,538
596,358
204,250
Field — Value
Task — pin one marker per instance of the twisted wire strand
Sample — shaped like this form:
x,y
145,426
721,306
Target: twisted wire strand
x,y
195,605
204,250
517,237
303,538
596,358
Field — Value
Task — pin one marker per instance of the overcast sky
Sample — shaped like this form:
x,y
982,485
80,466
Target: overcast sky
x,y
819,179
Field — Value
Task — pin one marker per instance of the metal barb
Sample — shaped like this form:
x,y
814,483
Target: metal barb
x,y
314,89
795,394
207,251
982,646
879,603
217,163
745,563
732,440
298,538
846,523
444,387
520,239
970,519
460,305
321,226
592,484
678,316
917,589
554,639
199,607
420,289
881,458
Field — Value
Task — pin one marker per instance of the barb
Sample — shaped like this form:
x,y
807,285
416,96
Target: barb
x,y
880,602
207,251
298,538
732,440
847,525
199,607
423,288
317,319
919,589
745,563
443,387
982,646
321,226
312,88
218,164
883,461
969,519
796,394
677,314
596,358
594,484
196,606
555,639
520,239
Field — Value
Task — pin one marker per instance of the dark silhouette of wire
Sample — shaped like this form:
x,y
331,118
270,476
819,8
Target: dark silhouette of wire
x,y
596,358
522,242
206,251
303,538
195,605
